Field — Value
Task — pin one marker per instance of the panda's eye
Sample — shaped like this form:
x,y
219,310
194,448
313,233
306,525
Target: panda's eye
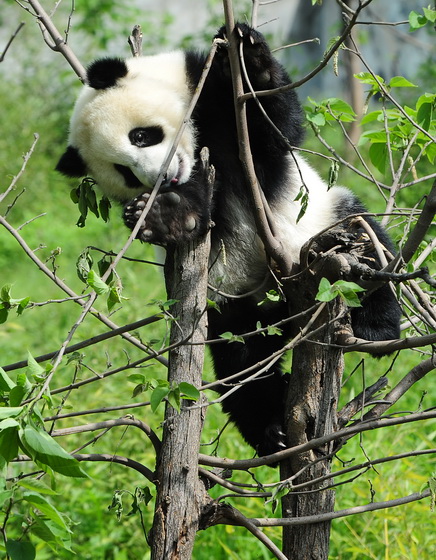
x,y
148,136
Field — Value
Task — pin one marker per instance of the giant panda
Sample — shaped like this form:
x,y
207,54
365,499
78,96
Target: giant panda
x,y
123,125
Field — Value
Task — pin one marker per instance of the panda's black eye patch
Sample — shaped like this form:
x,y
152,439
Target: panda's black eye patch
x,y
144,137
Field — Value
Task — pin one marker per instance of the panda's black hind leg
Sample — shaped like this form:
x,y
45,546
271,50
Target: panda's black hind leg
x,y
255,400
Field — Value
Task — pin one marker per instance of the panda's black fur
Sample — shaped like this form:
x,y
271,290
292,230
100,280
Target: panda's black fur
x,y
181,211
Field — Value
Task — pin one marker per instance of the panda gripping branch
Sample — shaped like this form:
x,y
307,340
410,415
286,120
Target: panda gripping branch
x,y
124,124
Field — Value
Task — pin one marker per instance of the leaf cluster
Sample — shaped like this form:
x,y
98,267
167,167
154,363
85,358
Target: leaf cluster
x,y
22,429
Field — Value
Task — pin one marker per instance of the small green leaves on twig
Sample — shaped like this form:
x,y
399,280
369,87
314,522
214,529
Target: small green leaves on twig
x,y
86,199
8,303
346,290
417,20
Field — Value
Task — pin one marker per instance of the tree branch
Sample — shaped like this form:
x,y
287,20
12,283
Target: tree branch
x,y
60,44
125,461
321,65
357,428
322,517
107,425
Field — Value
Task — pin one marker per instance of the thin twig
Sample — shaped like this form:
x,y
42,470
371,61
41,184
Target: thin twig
x,y
60,44
323,517
26,159
316,443
9,43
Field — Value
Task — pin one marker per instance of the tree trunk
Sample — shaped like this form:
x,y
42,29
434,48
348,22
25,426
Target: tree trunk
x,y
179,495
312,406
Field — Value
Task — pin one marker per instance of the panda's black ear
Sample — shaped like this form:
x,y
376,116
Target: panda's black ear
x,y
71,163
105,72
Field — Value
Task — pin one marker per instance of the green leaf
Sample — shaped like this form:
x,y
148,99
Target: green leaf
x,y
174,398
424,115
36,485
20,550
3,314
325,291
318,119
17,394
33,367
230,337
158,394
104,207
416,20
346,290
273,331
114,298
367,78
272,295
399,81
44,506
188,391
84,265
52,534
103,264
213,305
5,293
44,449
430,14
378,154
340,107
97,283
10,412
6,383
136,378
9,439
333,174
370,117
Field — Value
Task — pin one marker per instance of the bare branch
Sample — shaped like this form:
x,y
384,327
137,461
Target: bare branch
x,y
316,443
88,342
414,375
26,158
135,41
9,43
125,461
423,224
60,45
321,65
322,517
273,246
108,424
57,281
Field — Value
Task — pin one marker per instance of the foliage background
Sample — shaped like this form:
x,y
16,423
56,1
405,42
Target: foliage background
x,y
38,98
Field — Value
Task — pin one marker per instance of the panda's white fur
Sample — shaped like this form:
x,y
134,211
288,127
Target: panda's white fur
x,y
102,136
123,96
241,265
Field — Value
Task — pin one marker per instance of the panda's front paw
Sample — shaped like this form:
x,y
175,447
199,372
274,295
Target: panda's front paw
x,y
168,221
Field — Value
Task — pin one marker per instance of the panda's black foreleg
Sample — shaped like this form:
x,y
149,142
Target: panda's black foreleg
x,y
255,404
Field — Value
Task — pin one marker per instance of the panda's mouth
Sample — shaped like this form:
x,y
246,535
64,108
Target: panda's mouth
x,y
131,180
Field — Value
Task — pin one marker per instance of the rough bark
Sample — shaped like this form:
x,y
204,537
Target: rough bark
x,y
312,405
180,497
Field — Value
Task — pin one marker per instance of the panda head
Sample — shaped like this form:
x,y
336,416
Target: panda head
x,y
124,124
